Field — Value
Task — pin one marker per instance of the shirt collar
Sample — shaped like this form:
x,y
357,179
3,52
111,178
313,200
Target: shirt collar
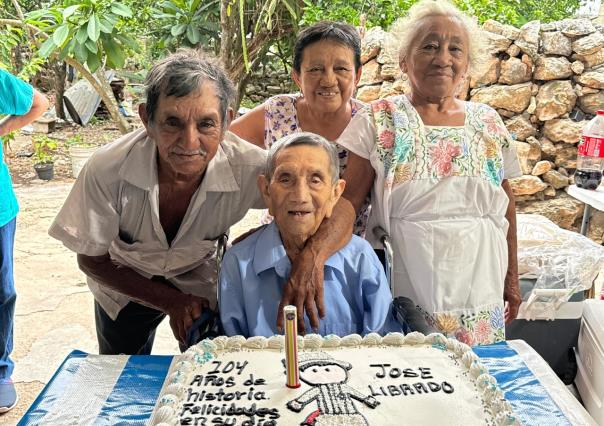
x,y
140,167
270,253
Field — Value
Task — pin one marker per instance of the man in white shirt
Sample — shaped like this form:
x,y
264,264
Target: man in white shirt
x,y
146,212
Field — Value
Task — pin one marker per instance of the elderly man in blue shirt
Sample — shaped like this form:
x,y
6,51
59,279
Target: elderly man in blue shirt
x,y
300,188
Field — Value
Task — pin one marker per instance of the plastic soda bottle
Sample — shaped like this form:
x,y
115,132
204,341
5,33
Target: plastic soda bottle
x,y
590,154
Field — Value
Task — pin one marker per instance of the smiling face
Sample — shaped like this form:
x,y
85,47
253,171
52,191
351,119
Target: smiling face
x,y
438,57
187,131
301,191
327,76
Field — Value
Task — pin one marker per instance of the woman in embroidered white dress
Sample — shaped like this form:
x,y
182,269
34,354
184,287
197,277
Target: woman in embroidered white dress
x,y
326,68
440,189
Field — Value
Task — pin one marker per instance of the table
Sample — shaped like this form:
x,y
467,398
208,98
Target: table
x,y
591,198
121,390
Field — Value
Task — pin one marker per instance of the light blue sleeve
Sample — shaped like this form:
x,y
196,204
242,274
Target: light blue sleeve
x,y
16,96
378,314
231,304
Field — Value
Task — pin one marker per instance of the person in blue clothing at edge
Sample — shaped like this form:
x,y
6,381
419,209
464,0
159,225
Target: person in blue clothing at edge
x,y
23,104
300,187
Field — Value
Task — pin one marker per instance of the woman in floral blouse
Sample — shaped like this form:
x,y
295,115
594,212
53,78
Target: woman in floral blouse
x,y
439,168
326,68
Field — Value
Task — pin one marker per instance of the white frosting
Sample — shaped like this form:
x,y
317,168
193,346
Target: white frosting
x,y
351,340
372,339
276,342
378,368
256,342
332,341
313,341
235,342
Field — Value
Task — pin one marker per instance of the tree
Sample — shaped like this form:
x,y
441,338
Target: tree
x,y
88,35
250,28
384,12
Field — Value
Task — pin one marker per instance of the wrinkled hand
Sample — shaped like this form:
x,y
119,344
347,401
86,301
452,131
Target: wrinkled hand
x,y
183,309
512,298
304,290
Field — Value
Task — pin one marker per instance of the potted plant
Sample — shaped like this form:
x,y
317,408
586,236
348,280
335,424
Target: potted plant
x,y
44,148
79,152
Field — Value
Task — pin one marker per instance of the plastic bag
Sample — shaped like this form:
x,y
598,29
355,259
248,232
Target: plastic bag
x,y
557,258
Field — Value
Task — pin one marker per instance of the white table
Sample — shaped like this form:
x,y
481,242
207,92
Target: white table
x,y
591,198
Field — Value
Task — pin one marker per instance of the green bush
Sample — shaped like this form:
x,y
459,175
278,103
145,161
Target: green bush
x,y
384,12
44,149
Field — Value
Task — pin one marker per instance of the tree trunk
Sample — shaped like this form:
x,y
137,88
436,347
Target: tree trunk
x,y
101,85
107,95
226,29
60,70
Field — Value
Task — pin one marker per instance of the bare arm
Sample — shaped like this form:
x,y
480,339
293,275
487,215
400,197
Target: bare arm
x,y
250,126
511,291
14,122
182,308
359,176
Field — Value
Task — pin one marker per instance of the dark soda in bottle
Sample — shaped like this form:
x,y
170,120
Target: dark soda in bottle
x,y
590,154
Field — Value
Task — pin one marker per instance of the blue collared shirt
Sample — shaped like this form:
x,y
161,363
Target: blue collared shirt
x,y
356,294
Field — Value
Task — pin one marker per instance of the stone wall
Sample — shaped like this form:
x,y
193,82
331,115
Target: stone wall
x,y
268,80
546,82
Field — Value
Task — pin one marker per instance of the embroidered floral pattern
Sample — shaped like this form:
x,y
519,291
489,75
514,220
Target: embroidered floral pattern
x,y
481,327
442,154
281,119
438,152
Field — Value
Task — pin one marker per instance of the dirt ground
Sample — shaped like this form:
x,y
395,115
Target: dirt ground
x,y
54,313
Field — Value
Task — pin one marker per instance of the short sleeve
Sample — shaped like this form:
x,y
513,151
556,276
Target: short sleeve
x,y
495,128
511,165
359,135
231,306
88,222
16,96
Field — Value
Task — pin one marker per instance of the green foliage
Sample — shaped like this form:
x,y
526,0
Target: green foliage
x,y
378,12
10,37
9,137
384,12
187,23
44,148
78,141
519,12
92,32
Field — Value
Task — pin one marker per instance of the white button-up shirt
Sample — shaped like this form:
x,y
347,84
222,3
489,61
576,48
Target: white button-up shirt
x,y
113,208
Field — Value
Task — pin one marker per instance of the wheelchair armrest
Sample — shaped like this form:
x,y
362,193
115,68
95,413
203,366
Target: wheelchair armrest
x,y
408,312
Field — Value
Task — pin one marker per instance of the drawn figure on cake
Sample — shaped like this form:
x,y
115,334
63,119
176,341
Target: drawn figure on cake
x,y
328,378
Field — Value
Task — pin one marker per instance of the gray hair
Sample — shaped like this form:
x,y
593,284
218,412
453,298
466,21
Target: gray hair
x,y
304,138
182,73
405,29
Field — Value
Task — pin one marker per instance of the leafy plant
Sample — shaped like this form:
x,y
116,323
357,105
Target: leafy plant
x,y
187,23
7,139
44,149
385,12
90,31
78,141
